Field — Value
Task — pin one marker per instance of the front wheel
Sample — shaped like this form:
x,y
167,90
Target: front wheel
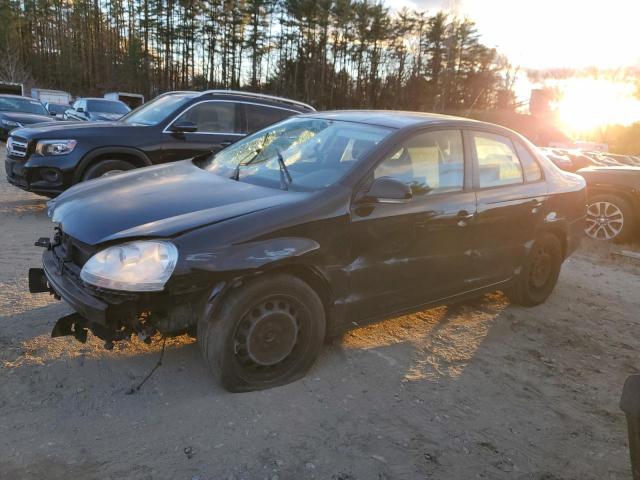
x,y
539,273
267,332
106,168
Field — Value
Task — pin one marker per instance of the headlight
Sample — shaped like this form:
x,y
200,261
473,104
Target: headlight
x,y
143,266
10,123
55,147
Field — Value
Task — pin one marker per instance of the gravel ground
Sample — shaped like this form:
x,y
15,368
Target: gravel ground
x,y
479,390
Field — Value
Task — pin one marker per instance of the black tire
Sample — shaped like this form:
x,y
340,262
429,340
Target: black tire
x,y
265,333
618,220
103,167
539,273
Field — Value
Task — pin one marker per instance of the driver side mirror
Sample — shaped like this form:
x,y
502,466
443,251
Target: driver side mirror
x,y
184,127
387,190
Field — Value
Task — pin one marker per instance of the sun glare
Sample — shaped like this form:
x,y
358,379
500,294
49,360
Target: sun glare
x,y
585,104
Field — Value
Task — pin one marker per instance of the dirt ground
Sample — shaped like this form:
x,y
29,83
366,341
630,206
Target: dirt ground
x,y
481,390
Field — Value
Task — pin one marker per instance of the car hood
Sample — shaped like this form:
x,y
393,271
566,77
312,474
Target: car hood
x,y
159,201
25,118
74,129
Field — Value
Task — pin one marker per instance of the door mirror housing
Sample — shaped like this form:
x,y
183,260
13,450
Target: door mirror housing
x,y
184,127
387,190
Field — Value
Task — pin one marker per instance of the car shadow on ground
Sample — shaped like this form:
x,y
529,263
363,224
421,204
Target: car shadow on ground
x,y
416,395
427,345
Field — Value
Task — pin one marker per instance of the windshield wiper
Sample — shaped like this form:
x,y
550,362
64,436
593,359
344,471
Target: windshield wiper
x,y
284,173
236,171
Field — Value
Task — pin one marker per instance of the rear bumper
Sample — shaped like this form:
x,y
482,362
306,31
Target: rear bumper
x,y
575,234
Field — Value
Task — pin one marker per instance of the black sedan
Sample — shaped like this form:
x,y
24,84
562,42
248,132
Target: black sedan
x,y
17,111
305,228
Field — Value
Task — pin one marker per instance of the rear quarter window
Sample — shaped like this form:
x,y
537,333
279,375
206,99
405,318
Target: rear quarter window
x,y
532,171
261,116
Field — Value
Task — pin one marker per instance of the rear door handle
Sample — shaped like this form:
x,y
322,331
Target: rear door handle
x,y
535,205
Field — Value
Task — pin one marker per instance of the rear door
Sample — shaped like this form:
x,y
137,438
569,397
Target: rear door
x,y
511,194
218,124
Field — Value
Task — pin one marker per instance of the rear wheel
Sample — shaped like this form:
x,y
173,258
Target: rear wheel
x,y
106,168
609,217
266,333
539,273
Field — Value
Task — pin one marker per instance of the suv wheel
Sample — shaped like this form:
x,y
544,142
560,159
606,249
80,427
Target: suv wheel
x,y
539,273
266,333
609,217
106,168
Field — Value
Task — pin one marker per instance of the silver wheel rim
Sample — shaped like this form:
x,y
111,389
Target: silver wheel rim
x,y
604,220
111,173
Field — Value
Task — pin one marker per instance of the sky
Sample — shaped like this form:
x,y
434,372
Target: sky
x,y
542,34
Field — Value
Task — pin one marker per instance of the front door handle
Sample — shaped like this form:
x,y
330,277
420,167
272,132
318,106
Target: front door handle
x,y
464,216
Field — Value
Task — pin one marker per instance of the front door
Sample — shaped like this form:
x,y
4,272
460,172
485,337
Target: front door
x,y
409,254
217,123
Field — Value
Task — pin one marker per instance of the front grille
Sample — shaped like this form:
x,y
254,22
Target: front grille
x,y
73,253
17,147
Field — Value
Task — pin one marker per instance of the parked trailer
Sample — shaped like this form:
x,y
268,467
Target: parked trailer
x,y
11,88
133,100
46,95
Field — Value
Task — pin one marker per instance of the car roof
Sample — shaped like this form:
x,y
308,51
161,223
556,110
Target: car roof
x,y
395,118
242,95
98,98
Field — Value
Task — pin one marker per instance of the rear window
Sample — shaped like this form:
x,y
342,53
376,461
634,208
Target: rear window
x,y
498,163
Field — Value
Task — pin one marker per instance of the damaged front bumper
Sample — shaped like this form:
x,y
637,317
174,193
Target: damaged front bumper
x,y
91,313
109,315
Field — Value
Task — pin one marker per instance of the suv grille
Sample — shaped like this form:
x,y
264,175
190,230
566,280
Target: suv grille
x,y
17,147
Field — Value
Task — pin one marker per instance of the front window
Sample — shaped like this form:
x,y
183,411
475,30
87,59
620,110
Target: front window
x,y
156,111
429,163
107,106
23,105
211,117
316,153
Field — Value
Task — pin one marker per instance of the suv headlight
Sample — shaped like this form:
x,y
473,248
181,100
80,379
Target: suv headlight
x,y
55,147
10,123
142,266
